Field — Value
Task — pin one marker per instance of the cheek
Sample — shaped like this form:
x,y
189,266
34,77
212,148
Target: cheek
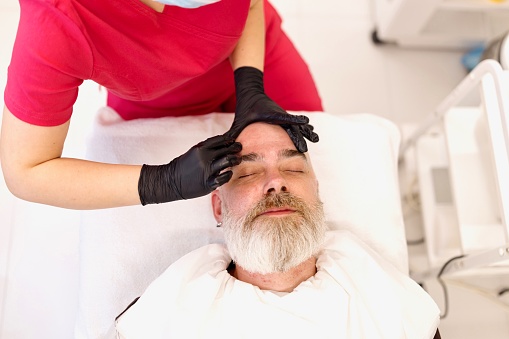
x,y
240,201
307,191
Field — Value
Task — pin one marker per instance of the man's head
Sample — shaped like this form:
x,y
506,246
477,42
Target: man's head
x,y
270,209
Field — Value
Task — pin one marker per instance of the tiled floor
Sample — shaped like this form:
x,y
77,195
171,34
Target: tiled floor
x,y
353,75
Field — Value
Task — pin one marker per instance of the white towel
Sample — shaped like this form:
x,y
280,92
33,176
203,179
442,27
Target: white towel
x,y
355,294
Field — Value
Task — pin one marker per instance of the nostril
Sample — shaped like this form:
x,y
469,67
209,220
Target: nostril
x,y
273,190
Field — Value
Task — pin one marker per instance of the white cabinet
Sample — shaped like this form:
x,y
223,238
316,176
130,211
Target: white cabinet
x,y
455,24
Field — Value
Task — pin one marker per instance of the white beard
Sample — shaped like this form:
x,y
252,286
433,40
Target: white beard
x,y
264,245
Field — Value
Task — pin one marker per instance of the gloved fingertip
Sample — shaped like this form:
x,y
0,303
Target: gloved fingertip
x,y
315,138
235,160
302,119
237,147
222,179
301,146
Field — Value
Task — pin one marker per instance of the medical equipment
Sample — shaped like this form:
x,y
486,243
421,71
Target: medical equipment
x,y
448,24
498,49
462,164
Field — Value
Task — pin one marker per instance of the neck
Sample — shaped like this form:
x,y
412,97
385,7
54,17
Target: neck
x,y
156,6
280,282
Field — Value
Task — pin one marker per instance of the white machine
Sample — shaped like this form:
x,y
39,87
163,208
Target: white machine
x,y
462,162
448,24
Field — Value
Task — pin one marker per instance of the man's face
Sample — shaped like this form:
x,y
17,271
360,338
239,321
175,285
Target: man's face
x,y
270,209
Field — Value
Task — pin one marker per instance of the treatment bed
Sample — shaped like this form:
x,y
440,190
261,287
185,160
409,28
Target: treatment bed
x,y
73,273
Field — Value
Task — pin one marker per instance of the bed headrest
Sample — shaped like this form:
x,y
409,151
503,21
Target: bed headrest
x,y
123,249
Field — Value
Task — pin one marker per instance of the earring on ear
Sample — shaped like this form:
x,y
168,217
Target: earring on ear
x,y
219,224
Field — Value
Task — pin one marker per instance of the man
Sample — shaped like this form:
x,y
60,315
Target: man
x,y
280,274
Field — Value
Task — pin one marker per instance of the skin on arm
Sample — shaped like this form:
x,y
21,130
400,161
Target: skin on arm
x,y
250,50
35,171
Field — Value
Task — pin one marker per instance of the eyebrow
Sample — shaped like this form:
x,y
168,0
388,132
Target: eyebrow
x,y
251,157
291,153
284,153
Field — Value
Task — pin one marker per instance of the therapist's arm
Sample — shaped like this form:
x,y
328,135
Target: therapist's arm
x,y
35,171
250,49
252,103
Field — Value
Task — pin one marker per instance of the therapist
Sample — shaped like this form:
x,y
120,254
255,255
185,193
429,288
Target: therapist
x,y
181,57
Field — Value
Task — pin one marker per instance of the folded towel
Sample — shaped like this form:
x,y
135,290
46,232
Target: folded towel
x,y
354,294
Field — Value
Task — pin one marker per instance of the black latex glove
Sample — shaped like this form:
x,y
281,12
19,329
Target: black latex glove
x,y
254,105
194,174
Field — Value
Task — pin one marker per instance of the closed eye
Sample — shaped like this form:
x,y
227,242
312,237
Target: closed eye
x,y
245,175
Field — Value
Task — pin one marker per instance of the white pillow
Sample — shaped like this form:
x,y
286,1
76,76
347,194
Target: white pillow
x,y
124,249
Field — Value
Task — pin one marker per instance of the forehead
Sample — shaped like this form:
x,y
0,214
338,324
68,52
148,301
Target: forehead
x,y
264,138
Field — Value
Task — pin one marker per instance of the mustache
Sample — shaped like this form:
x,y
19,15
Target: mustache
x,y
284,199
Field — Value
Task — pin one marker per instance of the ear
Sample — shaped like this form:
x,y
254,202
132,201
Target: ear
x,y
216,205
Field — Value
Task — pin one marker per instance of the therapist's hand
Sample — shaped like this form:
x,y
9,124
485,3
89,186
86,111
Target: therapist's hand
x,y
254,105
194,174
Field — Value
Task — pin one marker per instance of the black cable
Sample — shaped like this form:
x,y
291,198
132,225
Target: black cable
x,y
444,287
415,242
503,291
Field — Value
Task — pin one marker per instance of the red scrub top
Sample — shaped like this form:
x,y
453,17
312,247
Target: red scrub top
x,y
153,64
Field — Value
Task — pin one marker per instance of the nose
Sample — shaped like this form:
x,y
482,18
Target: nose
x,y
275,191
275,183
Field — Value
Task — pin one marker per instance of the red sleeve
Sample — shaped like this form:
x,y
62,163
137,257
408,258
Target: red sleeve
x,y
50,59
